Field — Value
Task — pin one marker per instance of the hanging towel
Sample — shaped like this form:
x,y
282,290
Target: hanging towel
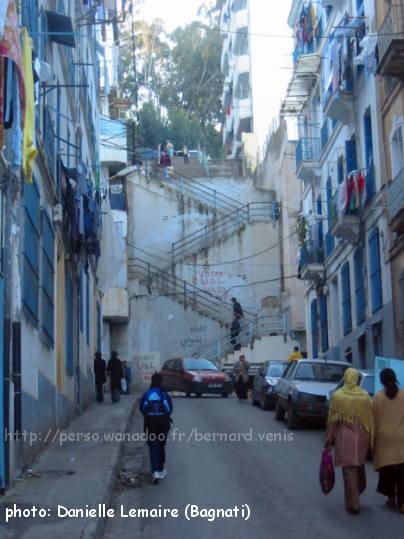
x,y
29,151
343,197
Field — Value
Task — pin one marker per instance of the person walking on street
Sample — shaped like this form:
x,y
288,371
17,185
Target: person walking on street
x,y
388,409
237,309
234,333
156,407
295,355
115,373
185,154
100,375
241,377
350,430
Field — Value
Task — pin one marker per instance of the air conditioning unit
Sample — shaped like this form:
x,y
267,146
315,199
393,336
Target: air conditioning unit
x,y
57,214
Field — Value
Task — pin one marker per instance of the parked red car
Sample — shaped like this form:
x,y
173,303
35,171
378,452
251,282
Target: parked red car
x,y
198,376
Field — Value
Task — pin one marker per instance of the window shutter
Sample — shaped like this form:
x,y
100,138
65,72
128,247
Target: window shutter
x,y
350,152
346,299
375,270
314,330
359,286
323,323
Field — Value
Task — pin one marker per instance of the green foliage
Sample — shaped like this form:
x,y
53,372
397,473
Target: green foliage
x,y
180,74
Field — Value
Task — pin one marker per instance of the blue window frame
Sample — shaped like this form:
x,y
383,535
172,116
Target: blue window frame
x,y
346,299
375,271
314,328
30,252
47,278
368,138
69,324
320,223
340,169
359,286
350,152
88,309
323,322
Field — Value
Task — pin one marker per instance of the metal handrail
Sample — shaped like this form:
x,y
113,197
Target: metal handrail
x,y
223,346
245,214
192,295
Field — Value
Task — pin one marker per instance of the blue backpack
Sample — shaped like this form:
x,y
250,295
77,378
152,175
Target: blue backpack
x,y
155,404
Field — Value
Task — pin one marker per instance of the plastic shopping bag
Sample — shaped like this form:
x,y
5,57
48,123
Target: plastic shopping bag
x,y
124,385
327,472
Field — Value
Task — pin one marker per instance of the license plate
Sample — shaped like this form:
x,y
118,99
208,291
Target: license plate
x,y
215,385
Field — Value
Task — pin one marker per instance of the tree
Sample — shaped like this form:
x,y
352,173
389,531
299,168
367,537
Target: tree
x,y
152,129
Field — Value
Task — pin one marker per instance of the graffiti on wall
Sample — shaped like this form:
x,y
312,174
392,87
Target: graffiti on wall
x,y
197,337
146,365
219,282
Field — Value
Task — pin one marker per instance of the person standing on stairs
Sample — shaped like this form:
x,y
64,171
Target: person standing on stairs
x,y
185,154
237,309
234,333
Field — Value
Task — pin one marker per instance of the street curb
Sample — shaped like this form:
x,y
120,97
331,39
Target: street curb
x,y
96,529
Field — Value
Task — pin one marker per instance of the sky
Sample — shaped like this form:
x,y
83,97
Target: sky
x,y
271,55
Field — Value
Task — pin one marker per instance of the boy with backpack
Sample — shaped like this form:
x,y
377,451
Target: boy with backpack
x,y
156,407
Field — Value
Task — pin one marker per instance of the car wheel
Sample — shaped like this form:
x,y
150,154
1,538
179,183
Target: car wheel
x,y
293,418
279,412
225,395
198,395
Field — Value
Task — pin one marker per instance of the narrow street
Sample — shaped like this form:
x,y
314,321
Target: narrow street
x,y
278,480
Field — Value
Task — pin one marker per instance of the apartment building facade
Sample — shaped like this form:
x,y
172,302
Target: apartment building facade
x,y
343,227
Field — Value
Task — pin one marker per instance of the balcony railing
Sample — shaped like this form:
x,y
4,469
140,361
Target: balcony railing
x,y
307,149
396,202
312,252
391,41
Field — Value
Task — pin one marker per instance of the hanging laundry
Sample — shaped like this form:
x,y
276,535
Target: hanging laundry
x,y
9,74
10,48
13,136
29,151
343,197
361,181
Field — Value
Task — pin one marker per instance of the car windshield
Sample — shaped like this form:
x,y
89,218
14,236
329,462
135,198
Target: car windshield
x,y
199,365
369,384
276,369
320,372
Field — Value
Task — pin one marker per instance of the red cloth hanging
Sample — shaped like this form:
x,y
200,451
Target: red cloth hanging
x,y
361,182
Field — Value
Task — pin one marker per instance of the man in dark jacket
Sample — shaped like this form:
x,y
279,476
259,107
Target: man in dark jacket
x,y
100,375
115,373
237,309
156,407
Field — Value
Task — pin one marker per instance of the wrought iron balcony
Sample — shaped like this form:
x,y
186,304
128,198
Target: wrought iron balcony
x,y
391,41
312,261
344,222
396,203
308,151
339,104
49,142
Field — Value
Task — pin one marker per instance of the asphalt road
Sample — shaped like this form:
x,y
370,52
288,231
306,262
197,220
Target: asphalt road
x,y
278,480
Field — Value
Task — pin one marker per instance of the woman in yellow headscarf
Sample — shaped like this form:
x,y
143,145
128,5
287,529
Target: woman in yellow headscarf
x,y
350,430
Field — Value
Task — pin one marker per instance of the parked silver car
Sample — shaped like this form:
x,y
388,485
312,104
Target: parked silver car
x,y
304,388
265,381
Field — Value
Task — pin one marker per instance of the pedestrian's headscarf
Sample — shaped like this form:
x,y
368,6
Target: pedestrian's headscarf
x,y
351,403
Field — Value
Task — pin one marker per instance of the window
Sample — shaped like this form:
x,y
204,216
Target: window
x,y
375,270
350,152
359,286
30,253
314,330
47,278
346,299
397,157
368,137
323,323
340,169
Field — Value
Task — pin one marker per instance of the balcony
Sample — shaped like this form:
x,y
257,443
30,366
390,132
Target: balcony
x,y
49,143
308,151
396,203
345,223
312,261
115,305
339,105
241,65
391,42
